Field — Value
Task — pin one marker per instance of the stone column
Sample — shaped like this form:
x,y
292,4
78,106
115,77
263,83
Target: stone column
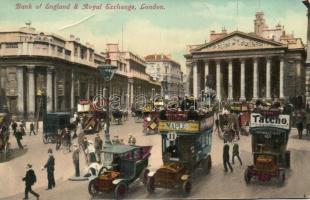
x,y
55,92
20,91
298,77
49,89
195,86
63,106
242,76
230,80
72,106
255,78
281,89
128,96
206,72
187,83
218,80
131,93
307,4
31,92
268,81
307,76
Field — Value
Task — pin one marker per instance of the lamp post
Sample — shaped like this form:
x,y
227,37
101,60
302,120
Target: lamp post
x,y
107,72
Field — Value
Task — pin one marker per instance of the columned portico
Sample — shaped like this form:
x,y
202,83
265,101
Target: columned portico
x,y
31,92
245,67
242,77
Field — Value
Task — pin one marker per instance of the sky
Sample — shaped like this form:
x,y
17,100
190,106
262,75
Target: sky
x,y
167,31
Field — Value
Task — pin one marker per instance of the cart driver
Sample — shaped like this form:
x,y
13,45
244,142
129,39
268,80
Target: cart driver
x,y
172,150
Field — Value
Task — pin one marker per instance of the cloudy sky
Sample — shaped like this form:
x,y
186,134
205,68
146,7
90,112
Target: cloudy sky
x,y
167,31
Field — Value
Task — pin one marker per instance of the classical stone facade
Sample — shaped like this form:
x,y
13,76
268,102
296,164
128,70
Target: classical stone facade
x,y
44,72
168,72
136,81
245,66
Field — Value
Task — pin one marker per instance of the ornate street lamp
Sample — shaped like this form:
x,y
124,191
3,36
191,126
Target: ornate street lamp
x,y
107,72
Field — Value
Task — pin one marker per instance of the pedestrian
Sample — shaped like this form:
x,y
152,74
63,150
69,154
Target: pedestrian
x,y
30,179
19,136
226,158
236,152
300,122
98,147
32,129
22,129
50,167
91,152
76,160
217,124
14,127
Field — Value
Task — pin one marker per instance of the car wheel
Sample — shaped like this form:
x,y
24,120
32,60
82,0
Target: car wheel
x,y
120,190
247,176
150,184
186,187
92,189
207,164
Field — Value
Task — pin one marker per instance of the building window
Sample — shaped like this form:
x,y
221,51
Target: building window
x,y
75,51
11,45
68,53
59,49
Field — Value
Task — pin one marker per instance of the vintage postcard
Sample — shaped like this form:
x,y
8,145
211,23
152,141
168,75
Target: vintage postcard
x,y
154,99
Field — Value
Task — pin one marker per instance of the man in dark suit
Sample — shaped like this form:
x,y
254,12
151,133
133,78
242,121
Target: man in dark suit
x,y
19,136
50,167
30,179
226,158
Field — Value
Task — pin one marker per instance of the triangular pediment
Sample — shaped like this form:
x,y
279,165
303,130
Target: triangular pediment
x,y
238,41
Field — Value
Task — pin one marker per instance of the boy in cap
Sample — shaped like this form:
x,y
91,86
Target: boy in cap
x,y
30,179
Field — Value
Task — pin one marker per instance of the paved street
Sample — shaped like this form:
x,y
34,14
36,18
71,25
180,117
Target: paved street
x,y
217,184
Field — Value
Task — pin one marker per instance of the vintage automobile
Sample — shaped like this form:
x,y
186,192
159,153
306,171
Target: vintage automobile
x,y
5,121
52,122
270,132
122,165
186,146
